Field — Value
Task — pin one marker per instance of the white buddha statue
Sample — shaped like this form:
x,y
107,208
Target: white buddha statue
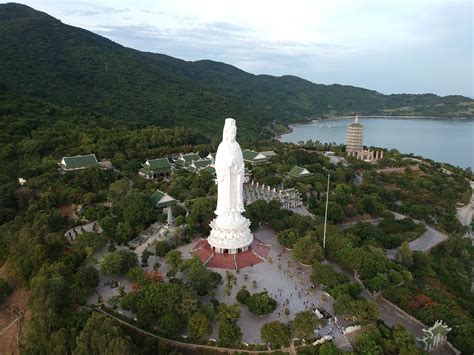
x,y
230,170
230,230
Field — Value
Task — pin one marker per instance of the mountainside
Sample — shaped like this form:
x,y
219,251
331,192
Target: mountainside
x,y
69,66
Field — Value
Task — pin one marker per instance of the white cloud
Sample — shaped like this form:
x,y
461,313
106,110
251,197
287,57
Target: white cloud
x,y
389,45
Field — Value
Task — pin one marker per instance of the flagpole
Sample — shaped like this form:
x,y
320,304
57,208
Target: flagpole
x,y
326,213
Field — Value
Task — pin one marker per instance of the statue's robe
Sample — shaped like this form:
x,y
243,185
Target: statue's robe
x,y
230,170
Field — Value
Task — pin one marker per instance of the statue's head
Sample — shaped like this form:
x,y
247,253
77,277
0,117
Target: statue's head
x,y
230,130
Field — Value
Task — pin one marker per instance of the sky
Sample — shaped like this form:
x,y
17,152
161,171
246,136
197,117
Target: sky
x,y
392,46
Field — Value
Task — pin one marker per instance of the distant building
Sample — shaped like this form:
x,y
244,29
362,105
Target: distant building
x,y
355,137
355,147
253,157
161,199
197,165
298,172
78,162
211,156
269,153
434,335
154,168
185,160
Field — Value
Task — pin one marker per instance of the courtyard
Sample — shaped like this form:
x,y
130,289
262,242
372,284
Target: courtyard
x,y
284,279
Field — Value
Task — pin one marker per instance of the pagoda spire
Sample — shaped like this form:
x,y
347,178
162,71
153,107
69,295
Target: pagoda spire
x,y
357,118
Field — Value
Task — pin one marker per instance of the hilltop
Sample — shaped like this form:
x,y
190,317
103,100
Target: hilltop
x,y
69,66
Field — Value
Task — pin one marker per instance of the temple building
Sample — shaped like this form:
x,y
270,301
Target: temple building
x,y
299,172
160,199
355,137
184,160
269,153
78,162
154,168
253,157
435,335
197,165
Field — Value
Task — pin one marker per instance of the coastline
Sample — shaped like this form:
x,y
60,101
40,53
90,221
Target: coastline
x,y
402,117
425,136
307,120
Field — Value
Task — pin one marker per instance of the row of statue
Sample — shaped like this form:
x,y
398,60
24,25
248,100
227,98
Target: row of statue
x,y
288,198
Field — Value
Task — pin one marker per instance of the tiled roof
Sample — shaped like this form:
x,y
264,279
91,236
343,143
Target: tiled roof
x,y
253,156
157,164
269,153
188,158
299,172
202,163
161,199
79,161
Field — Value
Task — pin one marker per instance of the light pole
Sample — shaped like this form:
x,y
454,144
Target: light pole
x,y
326,213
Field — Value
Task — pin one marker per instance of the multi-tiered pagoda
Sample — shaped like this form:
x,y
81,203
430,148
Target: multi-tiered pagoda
x,y
354,137
355,147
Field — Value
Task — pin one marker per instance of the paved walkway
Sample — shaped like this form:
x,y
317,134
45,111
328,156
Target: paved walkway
x,y
157,231
389,313
72,233
424,243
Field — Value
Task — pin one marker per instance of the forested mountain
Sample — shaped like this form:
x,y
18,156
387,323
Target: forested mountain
x,y
69,66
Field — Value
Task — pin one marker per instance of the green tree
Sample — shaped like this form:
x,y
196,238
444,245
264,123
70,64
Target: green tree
x,y
118,262
161,248
5,290
83,283
89,243
200,214
174,259
368,343
228,312
118,188
328,348
288,238
261,303
377,283
124,232
199,326
199,277
275,333
138,211
171,325
304,324
229,333
307,250
242,295
102,336
405,255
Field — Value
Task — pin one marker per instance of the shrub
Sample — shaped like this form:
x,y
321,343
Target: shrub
x,y
243,295
162,248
